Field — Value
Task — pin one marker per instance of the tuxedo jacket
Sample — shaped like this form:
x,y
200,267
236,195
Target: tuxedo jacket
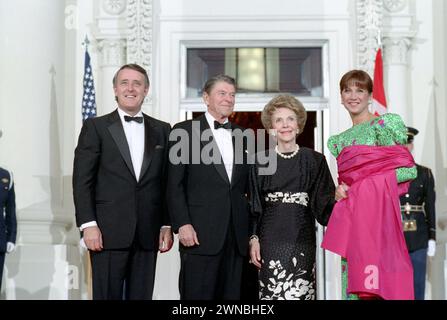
x,y
201,194
8,222
106,190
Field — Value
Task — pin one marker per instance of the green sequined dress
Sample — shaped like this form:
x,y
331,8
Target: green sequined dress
x,y
386,130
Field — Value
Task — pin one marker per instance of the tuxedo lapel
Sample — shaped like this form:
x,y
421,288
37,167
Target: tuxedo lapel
x,y
220,167
237,172
117,131
149,145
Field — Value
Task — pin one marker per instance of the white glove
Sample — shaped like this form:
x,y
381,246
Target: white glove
x,y
431,248
82,244
10,247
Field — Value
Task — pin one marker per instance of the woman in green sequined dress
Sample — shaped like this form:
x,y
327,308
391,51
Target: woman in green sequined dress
x,y
386,130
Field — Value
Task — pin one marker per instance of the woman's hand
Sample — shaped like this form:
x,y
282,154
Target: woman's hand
x,y
341,192
255,252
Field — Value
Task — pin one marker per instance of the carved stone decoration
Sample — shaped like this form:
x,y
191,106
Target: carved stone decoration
x,y
369,24
394,5
139,23
139,36
114,7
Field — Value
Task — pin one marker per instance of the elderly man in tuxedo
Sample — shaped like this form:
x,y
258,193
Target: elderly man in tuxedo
x,y
207,197
119,180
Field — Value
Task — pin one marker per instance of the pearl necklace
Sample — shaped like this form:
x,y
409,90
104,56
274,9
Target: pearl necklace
x,y
287,156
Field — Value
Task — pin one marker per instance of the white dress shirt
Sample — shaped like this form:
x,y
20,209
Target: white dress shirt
x,y
224,142
135,139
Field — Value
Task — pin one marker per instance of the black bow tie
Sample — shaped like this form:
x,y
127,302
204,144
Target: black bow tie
x,y
136,119
218,125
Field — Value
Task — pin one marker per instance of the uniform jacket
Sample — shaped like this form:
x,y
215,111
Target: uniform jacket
x,y
8,222
421,193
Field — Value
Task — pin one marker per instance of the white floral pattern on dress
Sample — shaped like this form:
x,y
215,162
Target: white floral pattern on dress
x,y
283,286
288,197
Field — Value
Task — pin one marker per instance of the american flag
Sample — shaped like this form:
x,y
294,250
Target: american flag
x,y
88,97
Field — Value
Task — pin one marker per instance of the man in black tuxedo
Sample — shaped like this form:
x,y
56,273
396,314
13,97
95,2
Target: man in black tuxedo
x,y
207,183
119,180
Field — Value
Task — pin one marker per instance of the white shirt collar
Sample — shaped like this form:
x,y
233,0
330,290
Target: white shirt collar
x,y
211,119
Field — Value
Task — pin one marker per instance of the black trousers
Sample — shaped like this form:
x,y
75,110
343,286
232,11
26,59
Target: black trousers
x,y
212,277
123,274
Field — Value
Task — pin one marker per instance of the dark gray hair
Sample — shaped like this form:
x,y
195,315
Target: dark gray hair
x,y
218,78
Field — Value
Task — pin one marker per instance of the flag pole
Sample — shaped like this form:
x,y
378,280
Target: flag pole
x,y
86,42
379,38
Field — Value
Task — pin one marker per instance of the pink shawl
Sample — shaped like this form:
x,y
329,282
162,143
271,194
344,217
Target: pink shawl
x,y
366,227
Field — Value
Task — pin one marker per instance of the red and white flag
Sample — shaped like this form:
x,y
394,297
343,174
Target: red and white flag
x,y
378,95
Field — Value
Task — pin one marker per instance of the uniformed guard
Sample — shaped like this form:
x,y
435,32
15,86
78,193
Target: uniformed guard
x,y
419,220
8,222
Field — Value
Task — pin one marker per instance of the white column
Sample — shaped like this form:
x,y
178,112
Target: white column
x,y
397,77
32,43
399,29
112,56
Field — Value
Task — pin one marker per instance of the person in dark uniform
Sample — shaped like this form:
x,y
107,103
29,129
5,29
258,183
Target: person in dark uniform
x,y
419,220
8,222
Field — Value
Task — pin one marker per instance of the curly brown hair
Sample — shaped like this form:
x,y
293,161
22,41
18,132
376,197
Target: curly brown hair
x,y
284,101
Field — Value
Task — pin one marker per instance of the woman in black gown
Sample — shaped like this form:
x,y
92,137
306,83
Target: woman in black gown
x,y
284,207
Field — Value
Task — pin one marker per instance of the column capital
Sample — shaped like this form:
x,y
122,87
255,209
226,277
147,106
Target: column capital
x,y
113,51
399,30
395,49
110,32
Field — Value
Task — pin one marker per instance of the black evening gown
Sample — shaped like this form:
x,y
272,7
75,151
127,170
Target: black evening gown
x,y
284,208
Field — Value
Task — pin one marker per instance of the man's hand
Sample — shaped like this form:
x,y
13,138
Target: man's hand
x,y
165,240
10,247
93,238
188,236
